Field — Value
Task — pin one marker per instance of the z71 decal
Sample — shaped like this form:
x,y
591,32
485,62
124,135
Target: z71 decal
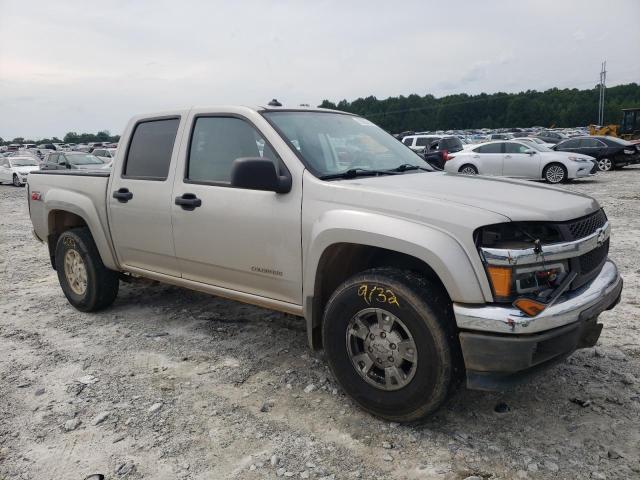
x,y
375,294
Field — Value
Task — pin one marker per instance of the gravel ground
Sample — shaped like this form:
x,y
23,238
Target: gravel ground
x,y
170,383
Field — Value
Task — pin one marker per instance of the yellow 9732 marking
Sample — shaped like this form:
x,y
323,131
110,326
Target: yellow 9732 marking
x,y
376,294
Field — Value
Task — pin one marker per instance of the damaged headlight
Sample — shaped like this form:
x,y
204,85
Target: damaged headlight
x,y
536,281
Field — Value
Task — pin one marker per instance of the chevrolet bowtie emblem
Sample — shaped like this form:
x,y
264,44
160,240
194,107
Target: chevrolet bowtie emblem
x,y
601,236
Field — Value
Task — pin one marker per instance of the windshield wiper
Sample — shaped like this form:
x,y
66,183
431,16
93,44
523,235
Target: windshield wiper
x,y
357,172
407,166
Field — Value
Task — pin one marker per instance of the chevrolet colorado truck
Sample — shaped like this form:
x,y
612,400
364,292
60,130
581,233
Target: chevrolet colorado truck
x,y
411,280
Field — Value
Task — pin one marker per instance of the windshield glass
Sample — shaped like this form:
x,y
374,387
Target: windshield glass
x,y
23,162
331,143
84,160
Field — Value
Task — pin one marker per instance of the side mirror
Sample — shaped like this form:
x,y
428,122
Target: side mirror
x,y
258,174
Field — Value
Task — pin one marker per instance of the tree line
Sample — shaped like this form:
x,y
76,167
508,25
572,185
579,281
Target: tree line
x,y
70,137
555,107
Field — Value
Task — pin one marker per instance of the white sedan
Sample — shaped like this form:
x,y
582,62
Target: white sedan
x,y
520,160
16,169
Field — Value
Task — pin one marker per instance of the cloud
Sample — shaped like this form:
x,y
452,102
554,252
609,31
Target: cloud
x,y
66,67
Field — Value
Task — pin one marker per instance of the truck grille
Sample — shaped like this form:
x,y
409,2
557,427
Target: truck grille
x,y
587,266
587,225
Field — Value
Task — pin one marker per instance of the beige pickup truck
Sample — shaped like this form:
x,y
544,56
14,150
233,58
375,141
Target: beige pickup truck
x,y
409,279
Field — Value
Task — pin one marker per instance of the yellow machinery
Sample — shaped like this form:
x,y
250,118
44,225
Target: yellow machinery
x,y
629,128
611,130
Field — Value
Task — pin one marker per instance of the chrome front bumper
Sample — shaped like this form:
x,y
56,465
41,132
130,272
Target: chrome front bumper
x,y
590,299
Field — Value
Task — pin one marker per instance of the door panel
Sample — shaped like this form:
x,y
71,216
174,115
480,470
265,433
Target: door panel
x,y
140,219
244,240
519,164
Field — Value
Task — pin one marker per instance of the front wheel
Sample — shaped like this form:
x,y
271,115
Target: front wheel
x,y
390,343
86,282
555,173
16,181
605,165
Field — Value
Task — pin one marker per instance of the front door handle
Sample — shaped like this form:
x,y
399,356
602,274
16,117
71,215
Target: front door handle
x,y
123,195
188,201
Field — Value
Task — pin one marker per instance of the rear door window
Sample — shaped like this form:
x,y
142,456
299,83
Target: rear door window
x,y
569,144
490,148
590,143
408,142
515,148
150,149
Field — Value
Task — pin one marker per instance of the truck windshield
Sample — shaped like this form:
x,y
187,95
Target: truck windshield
x,y
331,143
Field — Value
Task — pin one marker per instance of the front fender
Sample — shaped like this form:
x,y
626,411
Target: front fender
x,y
438,249
83,206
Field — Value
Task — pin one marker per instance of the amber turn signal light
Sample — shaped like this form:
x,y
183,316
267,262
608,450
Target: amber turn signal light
x,y
500,280
529,307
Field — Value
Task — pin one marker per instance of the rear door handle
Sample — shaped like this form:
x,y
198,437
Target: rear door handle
x,y
188,201
123,195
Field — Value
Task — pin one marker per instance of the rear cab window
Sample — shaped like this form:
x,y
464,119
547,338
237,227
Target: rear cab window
x,y
150,149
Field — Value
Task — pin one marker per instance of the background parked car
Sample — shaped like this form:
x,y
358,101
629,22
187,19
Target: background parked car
x,y
104,154
417,142
549,136
16,169
72,160
437,152
519,160
534,141
610,152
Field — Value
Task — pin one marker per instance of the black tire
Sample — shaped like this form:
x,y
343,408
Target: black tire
x,y
16,181
471,169
425,309
101,283
550,173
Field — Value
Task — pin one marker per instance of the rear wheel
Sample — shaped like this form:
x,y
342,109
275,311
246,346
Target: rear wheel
x,y
555,173
389,339
85,281
605,165
468,170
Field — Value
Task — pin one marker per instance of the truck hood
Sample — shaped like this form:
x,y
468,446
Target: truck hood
x,y
518,200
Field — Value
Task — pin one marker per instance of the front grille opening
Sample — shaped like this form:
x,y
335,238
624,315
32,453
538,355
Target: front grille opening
x,y
587,225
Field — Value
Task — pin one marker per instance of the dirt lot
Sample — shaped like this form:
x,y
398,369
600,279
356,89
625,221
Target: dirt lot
x,y
170,383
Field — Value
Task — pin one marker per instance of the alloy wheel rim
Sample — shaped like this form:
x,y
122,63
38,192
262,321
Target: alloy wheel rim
x,y
468,171
555,174
381,349
75,272
604,164
16,181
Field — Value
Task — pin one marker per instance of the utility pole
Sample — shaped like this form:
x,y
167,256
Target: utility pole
x,y
603,86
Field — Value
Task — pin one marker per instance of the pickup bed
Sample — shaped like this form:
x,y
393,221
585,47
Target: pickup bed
x,y
408,278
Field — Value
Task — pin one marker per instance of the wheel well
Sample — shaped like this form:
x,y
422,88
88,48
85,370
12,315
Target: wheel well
x,y
467,165
60,221
343,260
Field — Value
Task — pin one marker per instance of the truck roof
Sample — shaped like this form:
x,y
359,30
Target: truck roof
x,y
237,109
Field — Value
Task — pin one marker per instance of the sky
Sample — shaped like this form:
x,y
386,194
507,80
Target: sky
x,y
86,66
